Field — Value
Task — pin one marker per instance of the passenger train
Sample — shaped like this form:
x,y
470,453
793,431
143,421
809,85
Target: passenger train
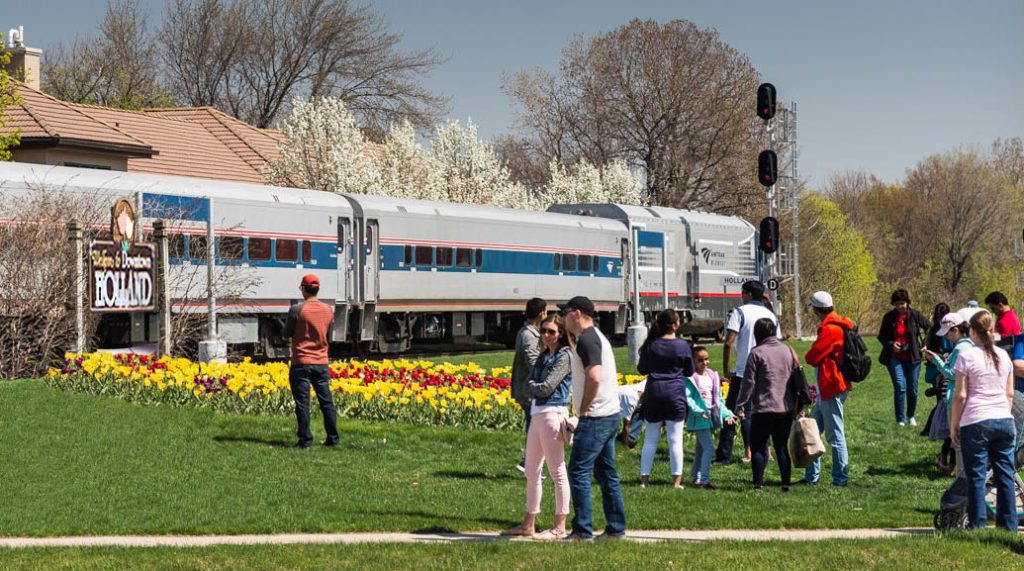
x,y
398,270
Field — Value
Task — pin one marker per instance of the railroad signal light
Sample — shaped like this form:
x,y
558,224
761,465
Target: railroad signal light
x,y
767,168
769,237
766,101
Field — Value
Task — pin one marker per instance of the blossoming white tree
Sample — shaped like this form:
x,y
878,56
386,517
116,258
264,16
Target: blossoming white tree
x,y
585,182
469,169
405,169
323,149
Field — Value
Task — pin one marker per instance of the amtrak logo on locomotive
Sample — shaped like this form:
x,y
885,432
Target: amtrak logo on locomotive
x,y
122,271
713,257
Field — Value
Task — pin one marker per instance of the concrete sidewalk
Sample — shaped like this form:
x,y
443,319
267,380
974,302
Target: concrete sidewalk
x,y
373,537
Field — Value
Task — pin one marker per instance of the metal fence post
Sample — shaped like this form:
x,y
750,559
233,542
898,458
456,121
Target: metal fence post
x,y
163,288
78,290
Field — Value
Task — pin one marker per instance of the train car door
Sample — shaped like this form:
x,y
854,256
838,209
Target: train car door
x,y
343,300
346,262
371,265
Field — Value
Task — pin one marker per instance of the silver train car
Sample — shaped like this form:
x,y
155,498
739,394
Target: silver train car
x,y
694,262
400,270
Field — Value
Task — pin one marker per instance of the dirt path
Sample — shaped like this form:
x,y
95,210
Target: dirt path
x,y
373,537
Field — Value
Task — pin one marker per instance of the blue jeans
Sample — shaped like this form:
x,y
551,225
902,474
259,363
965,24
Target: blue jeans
x,y
593,450
830,416
701,472
904,386
981,443
636,425
300,377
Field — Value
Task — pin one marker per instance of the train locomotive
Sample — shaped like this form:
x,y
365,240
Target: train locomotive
x,y
401,270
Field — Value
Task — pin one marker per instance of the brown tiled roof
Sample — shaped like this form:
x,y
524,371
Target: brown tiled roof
x,y
255,146
198,142
185,149
44,119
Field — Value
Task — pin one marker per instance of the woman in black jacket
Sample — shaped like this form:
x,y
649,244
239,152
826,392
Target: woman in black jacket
x,y
901,337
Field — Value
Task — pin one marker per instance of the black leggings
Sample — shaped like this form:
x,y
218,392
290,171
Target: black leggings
x,y
777,426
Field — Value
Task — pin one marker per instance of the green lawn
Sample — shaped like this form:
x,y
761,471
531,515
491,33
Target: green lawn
x,y
990,552
76,464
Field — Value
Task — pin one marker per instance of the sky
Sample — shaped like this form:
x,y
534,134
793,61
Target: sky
x,y
879,84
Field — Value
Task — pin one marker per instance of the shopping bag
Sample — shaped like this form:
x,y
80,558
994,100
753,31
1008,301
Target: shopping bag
x,y
805,445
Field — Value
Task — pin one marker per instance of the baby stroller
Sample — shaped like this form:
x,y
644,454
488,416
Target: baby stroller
x,y
953,504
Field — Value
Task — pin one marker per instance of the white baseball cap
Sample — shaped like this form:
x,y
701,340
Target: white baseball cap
x,y
821,300
968,312
949,321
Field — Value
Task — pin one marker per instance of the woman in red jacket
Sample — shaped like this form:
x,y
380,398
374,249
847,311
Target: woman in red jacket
x,y
825,355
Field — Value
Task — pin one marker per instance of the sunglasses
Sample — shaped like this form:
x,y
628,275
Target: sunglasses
x,y
549,331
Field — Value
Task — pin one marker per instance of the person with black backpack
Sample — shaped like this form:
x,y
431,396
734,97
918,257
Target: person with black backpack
x,y
840,358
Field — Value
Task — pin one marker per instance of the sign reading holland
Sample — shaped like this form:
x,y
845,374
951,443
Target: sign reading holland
x,y
122,271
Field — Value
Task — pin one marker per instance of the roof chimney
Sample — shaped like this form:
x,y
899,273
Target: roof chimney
x,y
24,63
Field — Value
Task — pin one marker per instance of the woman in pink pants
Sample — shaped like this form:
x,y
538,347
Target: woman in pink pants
x,y
551,387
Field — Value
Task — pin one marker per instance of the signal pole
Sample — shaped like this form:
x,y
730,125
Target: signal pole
x,y
794,201
782,198
767,175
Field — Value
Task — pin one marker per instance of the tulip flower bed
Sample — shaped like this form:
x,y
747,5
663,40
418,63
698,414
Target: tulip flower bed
x,y
414,392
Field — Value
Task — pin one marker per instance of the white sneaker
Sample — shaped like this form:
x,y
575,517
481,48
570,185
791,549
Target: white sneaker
x,y
901,423
913,421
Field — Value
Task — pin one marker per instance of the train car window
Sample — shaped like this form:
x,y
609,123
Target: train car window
x,y
464,257
307,251
175,246
285,250
585,264
444,257
424,256
479,258
569,262
259,249
558,262
231,248
408,256
197,247
596,266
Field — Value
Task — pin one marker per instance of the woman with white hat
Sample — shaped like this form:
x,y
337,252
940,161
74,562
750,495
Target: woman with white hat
x,y
954,328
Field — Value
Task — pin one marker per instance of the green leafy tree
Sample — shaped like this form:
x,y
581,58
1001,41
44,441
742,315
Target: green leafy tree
x,y
834,257
8,97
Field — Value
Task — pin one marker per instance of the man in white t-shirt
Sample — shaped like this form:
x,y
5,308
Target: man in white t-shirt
x,y
740,333
595,396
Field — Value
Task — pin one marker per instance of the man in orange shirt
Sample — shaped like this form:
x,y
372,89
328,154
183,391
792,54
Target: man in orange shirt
x,y
308,324
826,355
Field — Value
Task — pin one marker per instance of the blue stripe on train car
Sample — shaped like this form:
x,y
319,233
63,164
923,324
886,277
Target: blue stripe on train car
x,y
175,207
503,262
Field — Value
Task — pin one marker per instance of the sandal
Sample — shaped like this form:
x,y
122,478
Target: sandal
x,y
551,535
517,531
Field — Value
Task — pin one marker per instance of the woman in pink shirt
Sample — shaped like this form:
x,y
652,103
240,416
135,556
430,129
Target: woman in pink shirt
x,y
982,424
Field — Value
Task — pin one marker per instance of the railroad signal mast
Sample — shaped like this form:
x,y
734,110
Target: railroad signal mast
x,y
782,264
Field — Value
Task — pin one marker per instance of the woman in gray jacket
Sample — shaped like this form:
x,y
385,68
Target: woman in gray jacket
x,y
765,384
